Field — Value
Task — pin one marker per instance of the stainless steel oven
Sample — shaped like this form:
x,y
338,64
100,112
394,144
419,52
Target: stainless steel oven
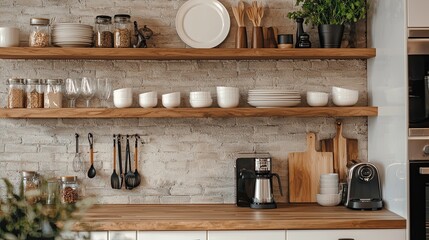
x,y
418,77
418,155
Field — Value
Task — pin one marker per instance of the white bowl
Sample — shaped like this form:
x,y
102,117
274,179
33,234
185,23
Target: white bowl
x,y
226,89
329,190
148,103
122,102
200,95
317,99
148,95
123,93
201,104
344,96
328,200
171,100
9,37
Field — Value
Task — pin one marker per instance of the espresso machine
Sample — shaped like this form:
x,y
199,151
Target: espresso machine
x,y
254,181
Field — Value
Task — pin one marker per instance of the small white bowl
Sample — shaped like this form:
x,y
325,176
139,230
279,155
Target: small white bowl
x,y
329,190
328,200
9,37
317,99
171,100
344,96
201,104
148,103
122,102
148,95
200,95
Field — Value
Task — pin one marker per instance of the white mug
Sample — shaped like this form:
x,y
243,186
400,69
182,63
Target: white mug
x,y
9,37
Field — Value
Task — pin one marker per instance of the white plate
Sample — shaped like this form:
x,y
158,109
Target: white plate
x,y
202,23
274,103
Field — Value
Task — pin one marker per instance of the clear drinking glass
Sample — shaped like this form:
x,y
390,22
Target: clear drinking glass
x,y
72,91
104,90
88,89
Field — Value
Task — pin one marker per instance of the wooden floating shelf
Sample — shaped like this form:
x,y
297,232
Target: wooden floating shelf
x,y
184,53
189,112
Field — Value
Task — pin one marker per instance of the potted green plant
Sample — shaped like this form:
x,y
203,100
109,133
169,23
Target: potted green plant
x,y
24,219
330,16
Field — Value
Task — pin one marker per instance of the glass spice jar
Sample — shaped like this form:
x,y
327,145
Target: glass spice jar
x,y
34,92
52,190
40,32
53,93
103,32
69,189
15,94
122,33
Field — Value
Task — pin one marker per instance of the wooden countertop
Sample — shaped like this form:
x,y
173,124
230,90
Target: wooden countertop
x,y
230,217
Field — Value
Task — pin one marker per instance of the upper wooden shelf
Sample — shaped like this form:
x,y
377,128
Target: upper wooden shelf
x,y
188,112
185,53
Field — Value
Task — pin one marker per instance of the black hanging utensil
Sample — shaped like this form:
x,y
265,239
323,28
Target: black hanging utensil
x,y
121,172
114,179
130,179
136,159
91,171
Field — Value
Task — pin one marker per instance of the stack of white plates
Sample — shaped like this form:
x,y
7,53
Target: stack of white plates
x,y
273,98
72,35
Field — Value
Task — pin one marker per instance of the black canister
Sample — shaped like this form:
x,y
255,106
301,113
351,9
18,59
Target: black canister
x,y
285,41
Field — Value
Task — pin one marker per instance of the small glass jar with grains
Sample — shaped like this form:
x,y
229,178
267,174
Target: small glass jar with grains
x,y
53,93
103,32
34,92
15,93
40,33
122,33
69,189
30,182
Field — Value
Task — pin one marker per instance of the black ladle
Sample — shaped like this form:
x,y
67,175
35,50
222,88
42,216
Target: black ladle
x,y
121,172
114,179
136,159
130,179
91,171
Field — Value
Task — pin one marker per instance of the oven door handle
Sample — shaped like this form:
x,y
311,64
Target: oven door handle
x,y
424,171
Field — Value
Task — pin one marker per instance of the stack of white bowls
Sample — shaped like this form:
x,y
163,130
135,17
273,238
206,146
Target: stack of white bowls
x,y
123,97
228,97
171,100
148,99
273,98
200,99
329,191
72,35
344,96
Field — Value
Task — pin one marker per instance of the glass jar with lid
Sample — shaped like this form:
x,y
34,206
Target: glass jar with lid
x,y
40,33
53,93
34,92
15,93
69,189
52,190
103,32
122,33
30,181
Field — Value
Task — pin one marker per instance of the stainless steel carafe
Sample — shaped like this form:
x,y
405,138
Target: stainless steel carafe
x,y
263,195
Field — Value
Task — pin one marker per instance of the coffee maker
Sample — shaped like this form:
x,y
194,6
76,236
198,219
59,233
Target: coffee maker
x,y
254,181
363,187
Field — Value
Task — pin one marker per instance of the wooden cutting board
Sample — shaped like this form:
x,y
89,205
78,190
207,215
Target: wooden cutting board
x,y
305,169
345,150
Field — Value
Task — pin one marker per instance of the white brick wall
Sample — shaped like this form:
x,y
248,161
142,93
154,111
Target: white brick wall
x,y
184,160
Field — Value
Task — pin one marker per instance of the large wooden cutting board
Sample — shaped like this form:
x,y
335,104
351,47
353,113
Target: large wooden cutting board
x,y
345,150
305,169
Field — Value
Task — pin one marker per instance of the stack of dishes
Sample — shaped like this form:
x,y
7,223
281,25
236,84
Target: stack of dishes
x,y
72,35
273,98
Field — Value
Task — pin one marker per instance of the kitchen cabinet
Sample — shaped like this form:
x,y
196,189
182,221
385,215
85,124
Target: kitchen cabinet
x,y
247,235
185,53
123,235
417,13
370,234
172,235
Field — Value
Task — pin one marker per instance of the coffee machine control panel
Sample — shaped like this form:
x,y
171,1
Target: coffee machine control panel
x,y
263,164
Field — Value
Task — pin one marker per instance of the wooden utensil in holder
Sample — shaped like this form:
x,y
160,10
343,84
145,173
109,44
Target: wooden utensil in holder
x,y
241,35
255,14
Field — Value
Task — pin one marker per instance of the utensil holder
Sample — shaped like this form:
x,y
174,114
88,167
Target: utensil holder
x,y
257,37
241,38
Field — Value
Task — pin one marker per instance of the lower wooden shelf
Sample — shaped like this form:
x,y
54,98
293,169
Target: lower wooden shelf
x,y
189,112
